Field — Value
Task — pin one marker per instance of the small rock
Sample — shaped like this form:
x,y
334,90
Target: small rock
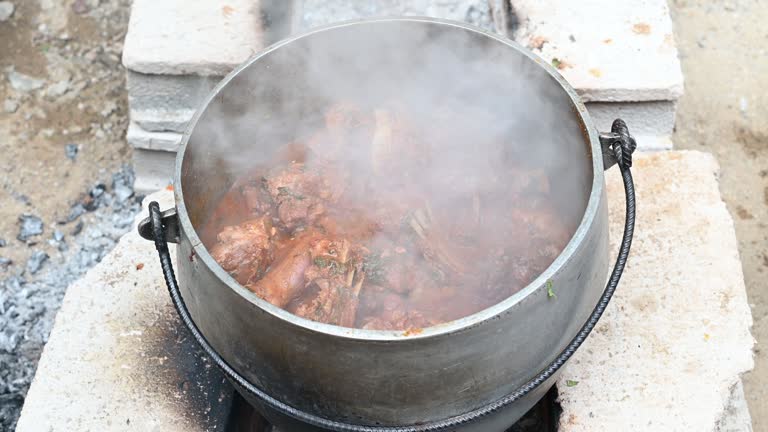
x,y
97,190
10,106
75,212
743,105
24,83
4,263
71,151
58,235
36,261
122,184
29,226
58,89
109,108
3,242
96,197
123,193
8,342
6,10
78,228
14,283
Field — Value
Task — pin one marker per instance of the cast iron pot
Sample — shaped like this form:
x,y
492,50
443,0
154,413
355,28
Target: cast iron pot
x,y
481,372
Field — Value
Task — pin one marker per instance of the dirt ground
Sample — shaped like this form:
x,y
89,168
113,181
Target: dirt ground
x,y
74,48
724,51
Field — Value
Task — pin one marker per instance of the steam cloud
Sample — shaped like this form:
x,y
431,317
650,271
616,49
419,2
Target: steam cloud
x,y
482,110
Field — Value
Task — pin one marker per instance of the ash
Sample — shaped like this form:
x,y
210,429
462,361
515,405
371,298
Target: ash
x,y
32,292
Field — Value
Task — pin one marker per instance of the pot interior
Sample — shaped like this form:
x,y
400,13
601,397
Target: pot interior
x,y
486,104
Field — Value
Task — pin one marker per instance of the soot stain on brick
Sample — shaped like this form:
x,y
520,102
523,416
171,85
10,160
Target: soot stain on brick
x,y
171,365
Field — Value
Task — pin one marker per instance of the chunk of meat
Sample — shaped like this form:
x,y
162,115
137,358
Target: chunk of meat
x,y
284,280
245,250
255,197
383,309
333,304
335,279
301,193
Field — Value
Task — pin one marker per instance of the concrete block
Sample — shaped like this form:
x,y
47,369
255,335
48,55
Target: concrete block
x,y
140,138
168,92
643,118
676,337
119,359
610,51
482,13
153,168
161,120
201,37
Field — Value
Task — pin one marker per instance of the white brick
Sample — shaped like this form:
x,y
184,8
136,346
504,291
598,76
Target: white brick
x,y
676,337
161,120
153,168
643,118
142,139
653,143
168,92
615,51
200,37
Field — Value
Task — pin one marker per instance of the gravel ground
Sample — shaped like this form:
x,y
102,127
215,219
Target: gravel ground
x,y
33,292
67,198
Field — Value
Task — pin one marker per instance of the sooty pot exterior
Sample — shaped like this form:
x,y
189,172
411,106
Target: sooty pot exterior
x,y
377,377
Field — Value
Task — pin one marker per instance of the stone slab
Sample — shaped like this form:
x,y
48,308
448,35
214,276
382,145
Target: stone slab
x,y
119,359
610,51
182,37
482,13
168,92
676,337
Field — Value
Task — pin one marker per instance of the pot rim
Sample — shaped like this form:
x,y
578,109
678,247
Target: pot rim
x,y
444,329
